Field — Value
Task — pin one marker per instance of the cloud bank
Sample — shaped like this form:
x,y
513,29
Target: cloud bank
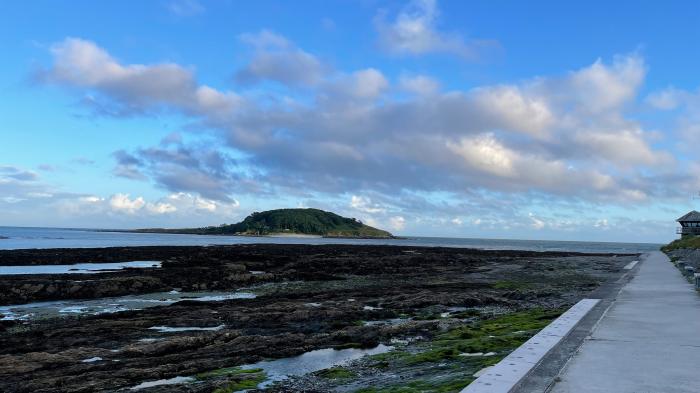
x,y
350,133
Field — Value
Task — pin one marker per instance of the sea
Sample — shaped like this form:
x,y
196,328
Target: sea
x,y
29,237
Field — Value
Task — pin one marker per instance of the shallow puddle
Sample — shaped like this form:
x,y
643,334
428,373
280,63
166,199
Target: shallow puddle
x,y
78,268
174,329
320,359
171,381
393,321
50,309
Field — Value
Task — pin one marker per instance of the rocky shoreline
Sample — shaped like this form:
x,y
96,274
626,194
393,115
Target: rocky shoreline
x,y
439,309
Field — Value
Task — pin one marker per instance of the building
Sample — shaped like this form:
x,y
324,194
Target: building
x,y
690,224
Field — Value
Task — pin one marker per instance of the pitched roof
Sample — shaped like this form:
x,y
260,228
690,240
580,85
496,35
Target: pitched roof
x,y
692,216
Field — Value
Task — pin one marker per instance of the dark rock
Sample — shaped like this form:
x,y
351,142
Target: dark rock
x,y
309,309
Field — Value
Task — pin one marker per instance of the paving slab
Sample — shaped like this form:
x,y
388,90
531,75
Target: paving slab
x,y
647,342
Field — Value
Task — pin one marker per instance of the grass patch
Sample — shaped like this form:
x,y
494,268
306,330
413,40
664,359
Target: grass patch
x,y
337,373
242,378
500,335
420,386
684,242
240,385
228,371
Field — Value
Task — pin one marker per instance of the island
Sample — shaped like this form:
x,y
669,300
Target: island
x,y
289,222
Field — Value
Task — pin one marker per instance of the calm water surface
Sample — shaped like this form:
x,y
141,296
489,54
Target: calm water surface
x,y
108,305
320,359
21,237
78,268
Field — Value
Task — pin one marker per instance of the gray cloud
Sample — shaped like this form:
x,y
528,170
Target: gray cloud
x,y
18,174
179,168
279,60
566,136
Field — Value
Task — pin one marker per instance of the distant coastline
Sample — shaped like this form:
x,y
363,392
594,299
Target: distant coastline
x,y
43,238
293,235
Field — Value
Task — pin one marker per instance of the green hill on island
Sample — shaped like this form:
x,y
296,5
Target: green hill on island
x,y
288,221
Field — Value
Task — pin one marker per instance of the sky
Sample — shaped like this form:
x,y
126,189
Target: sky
x,y
492,119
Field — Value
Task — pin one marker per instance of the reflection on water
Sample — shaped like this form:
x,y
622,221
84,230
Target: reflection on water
x,y
50,309
171,381
78,268
170,329
392,321
281,369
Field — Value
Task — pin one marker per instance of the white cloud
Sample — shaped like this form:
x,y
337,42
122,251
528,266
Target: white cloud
x,y
178,204
419,84
91,199
514,109
601,87
602,223
456,221
626,146
365,205
536,223
667,99
265,39
160,208
135,87
187,202
362,85
123,203
414,32
563,135
486,154
397,223
205,204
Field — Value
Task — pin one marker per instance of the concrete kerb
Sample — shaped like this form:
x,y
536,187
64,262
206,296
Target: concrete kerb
x,y
534,366
543,376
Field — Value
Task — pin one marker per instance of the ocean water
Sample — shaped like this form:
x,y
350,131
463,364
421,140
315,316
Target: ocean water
x,y
24,237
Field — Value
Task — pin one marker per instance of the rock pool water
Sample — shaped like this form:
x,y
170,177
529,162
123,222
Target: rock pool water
x,y
171,381
320,359
178,329
78,268
112,304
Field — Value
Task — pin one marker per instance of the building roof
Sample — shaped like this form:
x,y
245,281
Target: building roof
x,y
692,216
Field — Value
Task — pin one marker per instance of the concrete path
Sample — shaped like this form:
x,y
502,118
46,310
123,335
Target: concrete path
x,y
647,342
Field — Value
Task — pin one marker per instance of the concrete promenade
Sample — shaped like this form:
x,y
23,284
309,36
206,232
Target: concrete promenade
x,y
647,342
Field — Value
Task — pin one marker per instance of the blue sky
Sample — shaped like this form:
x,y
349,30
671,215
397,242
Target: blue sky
x,y
537,120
